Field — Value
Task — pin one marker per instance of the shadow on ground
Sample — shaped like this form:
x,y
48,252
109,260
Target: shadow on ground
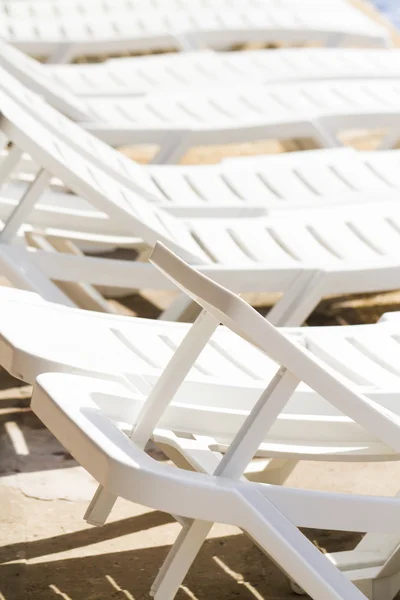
x,y
43,451
227,567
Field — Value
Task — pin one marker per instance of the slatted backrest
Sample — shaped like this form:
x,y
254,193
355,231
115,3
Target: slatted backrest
x,y
132,212
32,74
116,164
233,312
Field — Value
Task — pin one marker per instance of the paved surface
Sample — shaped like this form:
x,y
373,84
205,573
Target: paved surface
x,y
47,552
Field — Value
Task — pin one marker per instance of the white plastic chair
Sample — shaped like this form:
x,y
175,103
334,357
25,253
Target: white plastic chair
x,y
31,9
65,36
339,249
161,72
75,417
234,188
176,122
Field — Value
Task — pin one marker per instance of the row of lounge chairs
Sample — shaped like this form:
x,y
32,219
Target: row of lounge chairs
x,y
239,403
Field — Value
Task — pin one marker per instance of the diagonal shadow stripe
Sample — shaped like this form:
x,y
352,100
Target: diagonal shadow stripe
x,y
85,537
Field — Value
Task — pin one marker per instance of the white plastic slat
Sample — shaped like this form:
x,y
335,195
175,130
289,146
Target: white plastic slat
x,y
250,187
75,80
168,111
69,31
126,81
108,194
236,65
260,244
319,62
89,79
272,103
355,61
175,187
384,95
219,244
323,180
136,174
346,359
256,362
299,241
285,183
380,346
379,233
212,362
208,110
158,349
182,73
237,108
224,355
210,186
386,165
115,110
79,137
18,29
357,175
182,234
233,24
327,96
150,347
342,240
277,65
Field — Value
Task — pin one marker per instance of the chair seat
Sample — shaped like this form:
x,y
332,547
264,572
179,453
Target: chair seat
x,y
38,336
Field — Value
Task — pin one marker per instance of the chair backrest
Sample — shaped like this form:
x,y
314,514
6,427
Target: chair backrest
x,y
233,312
56,156
32,74
111,161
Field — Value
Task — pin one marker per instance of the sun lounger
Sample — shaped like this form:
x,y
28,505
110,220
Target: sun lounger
x,y
63,37
233,188
344,249
177,122
35,9
339,362
141,75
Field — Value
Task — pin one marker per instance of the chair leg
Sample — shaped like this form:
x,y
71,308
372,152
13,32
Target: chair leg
x,y
182,309
386,584
390,141
385,588
376,584
179,560
293,552
187,42
25,206
172,150
9,163
100,507
299,300
63,53
378,588
324,137
389,547
232,465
